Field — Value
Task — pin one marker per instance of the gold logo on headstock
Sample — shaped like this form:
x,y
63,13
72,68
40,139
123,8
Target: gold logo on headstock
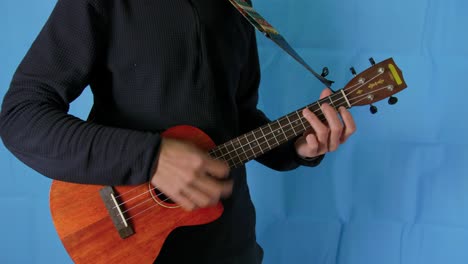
x,y
377,83
359,92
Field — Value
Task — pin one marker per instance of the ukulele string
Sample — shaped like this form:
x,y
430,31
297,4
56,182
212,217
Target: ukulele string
x,y
304,123
133,198
154,205
127,192
318,112
341,102
145,192
145,201
149,190
354,100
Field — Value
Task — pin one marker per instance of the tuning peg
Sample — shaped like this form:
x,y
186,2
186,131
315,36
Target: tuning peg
x,y
392,100
325,72
353,71
371,60
373,109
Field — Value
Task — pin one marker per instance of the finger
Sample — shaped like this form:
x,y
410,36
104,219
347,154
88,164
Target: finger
x,y
311,148
175,193
325,92
198,197
214,188
226,190
183,201
335,125
320,129
216,168
349,124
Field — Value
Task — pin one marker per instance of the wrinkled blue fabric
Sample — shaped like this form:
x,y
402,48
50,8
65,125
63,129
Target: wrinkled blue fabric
x,y
396,192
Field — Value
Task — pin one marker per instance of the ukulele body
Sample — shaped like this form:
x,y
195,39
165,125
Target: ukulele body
x,y
88,234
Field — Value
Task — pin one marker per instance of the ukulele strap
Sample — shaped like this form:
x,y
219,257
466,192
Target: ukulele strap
x,y
246,9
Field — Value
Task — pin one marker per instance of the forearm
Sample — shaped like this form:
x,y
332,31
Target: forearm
x,y
63,147
34,123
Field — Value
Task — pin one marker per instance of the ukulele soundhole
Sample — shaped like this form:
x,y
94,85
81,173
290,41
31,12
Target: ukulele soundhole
x,y
161,199
161,196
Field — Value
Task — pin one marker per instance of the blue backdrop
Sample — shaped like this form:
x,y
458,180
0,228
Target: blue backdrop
x,y
397,192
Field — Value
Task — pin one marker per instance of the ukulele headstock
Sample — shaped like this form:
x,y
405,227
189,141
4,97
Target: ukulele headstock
x,y
380,81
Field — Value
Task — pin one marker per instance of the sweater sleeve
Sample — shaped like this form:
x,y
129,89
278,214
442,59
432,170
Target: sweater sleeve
x,y
34,122
283,157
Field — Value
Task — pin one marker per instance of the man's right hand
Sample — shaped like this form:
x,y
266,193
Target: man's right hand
x,y
189,176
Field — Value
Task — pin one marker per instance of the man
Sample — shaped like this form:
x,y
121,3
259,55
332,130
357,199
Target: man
x,y
151,65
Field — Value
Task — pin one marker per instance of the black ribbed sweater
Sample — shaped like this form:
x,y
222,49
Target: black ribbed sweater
x,y
151,65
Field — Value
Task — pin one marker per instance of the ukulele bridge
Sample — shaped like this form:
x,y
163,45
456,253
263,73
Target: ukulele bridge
x,y
115,212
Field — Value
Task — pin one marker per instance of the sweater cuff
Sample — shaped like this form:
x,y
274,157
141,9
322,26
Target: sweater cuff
x,y
310,162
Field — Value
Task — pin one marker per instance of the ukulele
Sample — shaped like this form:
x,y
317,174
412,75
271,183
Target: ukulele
x,y
104,224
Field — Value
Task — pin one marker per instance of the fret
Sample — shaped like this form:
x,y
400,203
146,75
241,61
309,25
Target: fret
x,y
243,142
253,143
234,149
249,149
261,135
292,125
342,100
242,155
273,129
264,135
265,145
346,98
250,139
288,127
219,149
234,157
262,140
225,155
315,109
213,153
271,134
320,114
258,134
331,102
318,111
217,153
301,118
280,134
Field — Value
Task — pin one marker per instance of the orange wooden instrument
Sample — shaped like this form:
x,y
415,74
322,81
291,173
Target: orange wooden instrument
x,y
99,224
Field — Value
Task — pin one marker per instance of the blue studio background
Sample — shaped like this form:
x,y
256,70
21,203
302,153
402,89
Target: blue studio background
x,y
397,192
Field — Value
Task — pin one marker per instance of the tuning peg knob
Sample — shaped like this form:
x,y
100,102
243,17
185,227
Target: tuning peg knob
x,y
372,61
392,100
325,72
353,71
373,109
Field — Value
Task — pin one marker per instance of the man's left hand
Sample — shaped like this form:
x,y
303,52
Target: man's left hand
x,y
328,135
